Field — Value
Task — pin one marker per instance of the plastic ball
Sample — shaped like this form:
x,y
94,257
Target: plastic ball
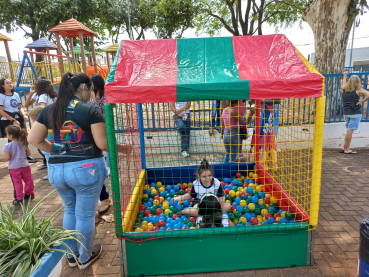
x,y
261,194
187,191
169,188
231,216
186,203
243,203
264,212
259,188
185,221
161,223
159,184
148,191
147,212
237,200
168,225
167,211
271,220
153,191
255,176
162,228
171,213
155,220
273,199
254,221
267,200
138,230
239,209
226,191
254,199
243,219
249,190
238,175
159,211
168,229
192,219
176,188
251,174
181,191
251,206
227,180
257,211
142,207
235,182
289,215
232,193
283,220
268,215
237,215
251,181
248,217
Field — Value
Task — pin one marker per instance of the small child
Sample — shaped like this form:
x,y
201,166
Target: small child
x,y
205,183
16,153
211,214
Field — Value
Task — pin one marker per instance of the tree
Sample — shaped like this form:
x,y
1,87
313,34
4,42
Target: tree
x,y
331,22
239,20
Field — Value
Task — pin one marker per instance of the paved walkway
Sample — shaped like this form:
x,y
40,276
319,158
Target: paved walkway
x,y
344,203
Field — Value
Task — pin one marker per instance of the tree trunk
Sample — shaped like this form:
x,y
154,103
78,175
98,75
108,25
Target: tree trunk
x,y
331,24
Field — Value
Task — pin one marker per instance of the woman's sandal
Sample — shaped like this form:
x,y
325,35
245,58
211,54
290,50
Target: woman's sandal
x,y
351,152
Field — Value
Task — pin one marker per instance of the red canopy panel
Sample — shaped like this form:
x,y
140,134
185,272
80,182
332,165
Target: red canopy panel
x,y
274,68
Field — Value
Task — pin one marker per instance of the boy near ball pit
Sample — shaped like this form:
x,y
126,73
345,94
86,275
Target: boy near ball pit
x,y
205,183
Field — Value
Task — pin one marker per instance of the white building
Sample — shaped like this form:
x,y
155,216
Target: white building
x,y
358,54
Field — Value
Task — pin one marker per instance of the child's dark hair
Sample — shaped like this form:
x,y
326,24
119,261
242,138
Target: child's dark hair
x,y
2,83
211,212
99,84
204,166
44,86
16,132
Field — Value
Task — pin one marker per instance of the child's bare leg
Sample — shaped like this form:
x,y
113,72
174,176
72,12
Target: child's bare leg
x,y
226,207
192,211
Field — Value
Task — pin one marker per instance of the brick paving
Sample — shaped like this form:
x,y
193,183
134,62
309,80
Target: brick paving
x,y
344,203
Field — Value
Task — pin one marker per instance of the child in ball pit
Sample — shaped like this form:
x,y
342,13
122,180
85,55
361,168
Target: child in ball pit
x,y
205,183
211,214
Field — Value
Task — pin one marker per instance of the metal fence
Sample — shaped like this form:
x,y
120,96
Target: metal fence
x,y
357,69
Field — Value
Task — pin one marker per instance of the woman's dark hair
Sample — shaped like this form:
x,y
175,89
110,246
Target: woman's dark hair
x,y
204,166
68,87
99,84
211,212
2,90
233,102
44,86
16,132
42,77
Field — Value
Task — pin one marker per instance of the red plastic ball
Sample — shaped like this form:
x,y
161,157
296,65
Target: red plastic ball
x,y
233,208
161,223
175,216
276,215
147,213
159,211
142,207
267,216
168,229
192,219
245,184
254,221
185,228
157,197
222,183
238,175
242,193
187,190
266,200
226,191
156,228
182,187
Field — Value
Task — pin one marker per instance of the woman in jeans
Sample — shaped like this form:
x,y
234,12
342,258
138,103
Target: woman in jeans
x,y
231,121
76,137
181,117
352,112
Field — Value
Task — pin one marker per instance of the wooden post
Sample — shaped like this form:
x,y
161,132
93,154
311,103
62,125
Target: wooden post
x,y
93,52
32,60
51,68
9,61
84,65
73,56
59,53
44,63
108,60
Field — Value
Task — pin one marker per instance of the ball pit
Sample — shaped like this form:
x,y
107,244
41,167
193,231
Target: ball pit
x,y
250,205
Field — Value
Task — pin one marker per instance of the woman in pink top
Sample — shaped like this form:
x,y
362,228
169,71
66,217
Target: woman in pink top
x,y
231,120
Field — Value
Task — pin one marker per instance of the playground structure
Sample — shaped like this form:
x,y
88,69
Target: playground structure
x,y
111,50
53,66
287,162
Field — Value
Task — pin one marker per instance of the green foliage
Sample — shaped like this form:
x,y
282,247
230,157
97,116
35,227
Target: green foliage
x,y
356,7
24,241
246,17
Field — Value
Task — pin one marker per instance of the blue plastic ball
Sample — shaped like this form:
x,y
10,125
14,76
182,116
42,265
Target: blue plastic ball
x,y
172,191
147,191
162,228
162,194
186,203
280,211
264,222
253,214
251,181
149,204
151,200
249,190
239,224
183,217
145,218
284,220
255,199
248,216
162,215
177,220
168,225
271,220
248,224
179,207
257,206
261,194
185,225
155,219
239,209
235,182
291,221
169,220
177,226
237,200
169,199
176,188
227,180
160,206
272,209
169,188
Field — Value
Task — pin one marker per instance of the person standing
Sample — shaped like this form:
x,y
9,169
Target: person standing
x,y
352,112
77,135
11,110
181,116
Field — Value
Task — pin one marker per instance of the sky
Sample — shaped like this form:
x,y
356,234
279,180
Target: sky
x,y
302,38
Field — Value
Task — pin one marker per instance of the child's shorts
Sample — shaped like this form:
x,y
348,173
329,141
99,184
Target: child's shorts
x,y
352,121
243,133
195,201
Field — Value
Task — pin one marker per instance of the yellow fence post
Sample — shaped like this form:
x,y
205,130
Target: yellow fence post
x,y
317,161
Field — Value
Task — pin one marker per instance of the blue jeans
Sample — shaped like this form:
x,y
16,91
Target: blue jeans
x,y
184,130
352,121
79,189
231,141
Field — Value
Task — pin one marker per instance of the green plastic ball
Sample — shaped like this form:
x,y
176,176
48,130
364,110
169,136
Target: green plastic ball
x,y
185,221
181,192
173,209
237,215
171,213
168,195
289,215
244,197
231,216
248,201
246,210
190,224
257,211
152,195
228,197
145,199
262,206
179,214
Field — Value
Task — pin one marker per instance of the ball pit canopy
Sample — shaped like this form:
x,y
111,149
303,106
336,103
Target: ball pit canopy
x,y
220,68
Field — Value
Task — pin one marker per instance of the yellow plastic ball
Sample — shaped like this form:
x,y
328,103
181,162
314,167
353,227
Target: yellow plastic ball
x,y
243,219
185,184
259,188
143,223
167,211
228,201
156,202
251,206
264,211
150,226
251,174
146,187
145,195
165,206
153,191
244,190
260,218
278,219
242,177
138,230
193,227
255,176
159,184
243,203
237,194
240,189
189,184
232,193
261,201
234,211
273,199
268,195
161,189
144,227
283,214
162,198
267,206
235,221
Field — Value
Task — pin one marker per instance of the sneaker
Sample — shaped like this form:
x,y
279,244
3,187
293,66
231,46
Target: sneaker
x,y
17,202
32,196
41,166
72,261
105,204
96,252
185,154
46,177
31,159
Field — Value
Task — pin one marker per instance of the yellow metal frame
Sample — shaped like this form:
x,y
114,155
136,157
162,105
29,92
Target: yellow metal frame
x,y
317,161
134,203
